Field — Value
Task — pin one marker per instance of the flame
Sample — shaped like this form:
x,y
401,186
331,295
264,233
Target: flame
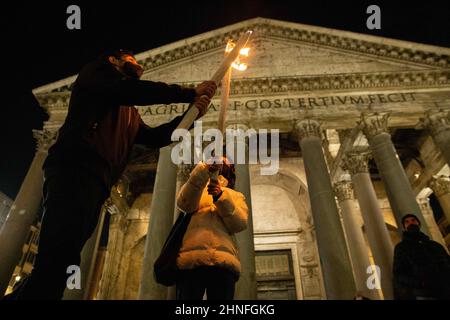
x,y
230,46
237,64
244,51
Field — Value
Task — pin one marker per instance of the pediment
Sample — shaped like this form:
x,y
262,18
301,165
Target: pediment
x,y
285,50
275,58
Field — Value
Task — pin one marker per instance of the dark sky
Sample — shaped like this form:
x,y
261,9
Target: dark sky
x,y
37,48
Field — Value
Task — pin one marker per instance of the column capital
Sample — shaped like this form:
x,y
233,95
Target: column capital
x,y
424,204
308,128
183,171
356,161
436,121
44,139
440,185
373,124
344,190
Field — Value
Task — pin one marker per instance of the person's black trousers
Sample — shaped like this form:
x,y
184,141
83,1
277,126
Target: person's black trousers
x,y
219,284
72,203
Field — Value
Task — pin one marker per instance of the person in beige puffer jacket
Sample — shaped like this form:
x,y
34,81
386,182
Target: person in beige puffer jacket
x,y
208,258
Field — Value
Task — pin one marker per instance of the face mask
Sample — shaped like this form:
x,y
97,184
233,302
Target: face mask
x,y
132,70
413,228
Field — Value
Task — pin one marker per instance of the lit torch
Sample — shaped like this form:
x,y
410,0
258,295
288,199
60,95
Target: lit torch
x,y
225,92
230,58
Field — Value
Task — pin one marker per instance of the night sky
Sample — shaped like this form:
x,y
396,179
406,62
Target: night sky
x,y
37,48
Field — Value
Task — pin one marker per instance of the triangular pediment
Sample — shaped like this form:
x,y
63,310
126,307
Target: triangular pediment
x,y
287,50
275,58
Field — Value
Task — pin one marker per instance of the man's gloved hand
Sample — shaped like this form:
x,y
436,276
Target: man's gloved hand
x,y
207,88
204,92
202,104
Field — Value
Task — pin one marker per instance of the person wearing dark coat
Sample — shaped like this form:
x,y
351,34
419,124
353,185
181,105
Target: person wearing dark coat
x,y
92,149
421,266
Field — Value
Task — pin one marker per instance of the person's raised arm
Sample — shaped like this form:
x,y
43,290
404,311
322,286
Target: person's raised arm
x,y
103,80
233,209
160,136
190,193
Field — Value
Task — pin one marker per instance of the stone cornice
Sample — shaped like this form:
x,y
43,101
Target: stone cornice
x,y
276,85
279,85
400,51
343,81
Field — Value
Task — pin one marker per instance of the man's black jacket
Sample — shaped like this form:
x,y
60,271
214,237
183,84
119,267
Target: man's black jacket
x,y
102,125
421,268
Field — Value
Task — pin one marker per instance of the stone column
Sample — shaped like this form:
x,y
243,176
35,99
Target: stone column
x,y
355,238
94,288
356,162
441,188
246,286
161,221
427,211
88,260
183,172
396,183
336,266
438,124
23,212
111,271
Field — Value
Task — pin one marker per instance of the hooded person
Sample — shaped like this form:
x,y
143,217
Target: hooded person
x,y
421,266
208,259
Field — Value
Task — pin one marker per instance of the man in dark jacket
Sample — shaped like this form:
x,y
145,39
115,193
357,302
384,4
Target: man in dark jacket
x,y
90,154
421,266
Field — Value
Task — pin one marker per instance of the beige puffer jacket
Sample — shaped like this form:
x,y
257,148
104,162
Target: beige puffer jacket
x,y
209,239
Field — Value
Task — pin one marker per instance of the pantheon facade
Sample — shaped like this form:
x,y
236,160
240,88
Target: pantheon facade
x,y
364,136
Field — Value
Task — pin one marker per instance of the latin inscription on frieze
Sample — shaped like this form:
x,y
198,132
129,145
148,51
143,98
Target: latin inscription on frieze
x,y
295,103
